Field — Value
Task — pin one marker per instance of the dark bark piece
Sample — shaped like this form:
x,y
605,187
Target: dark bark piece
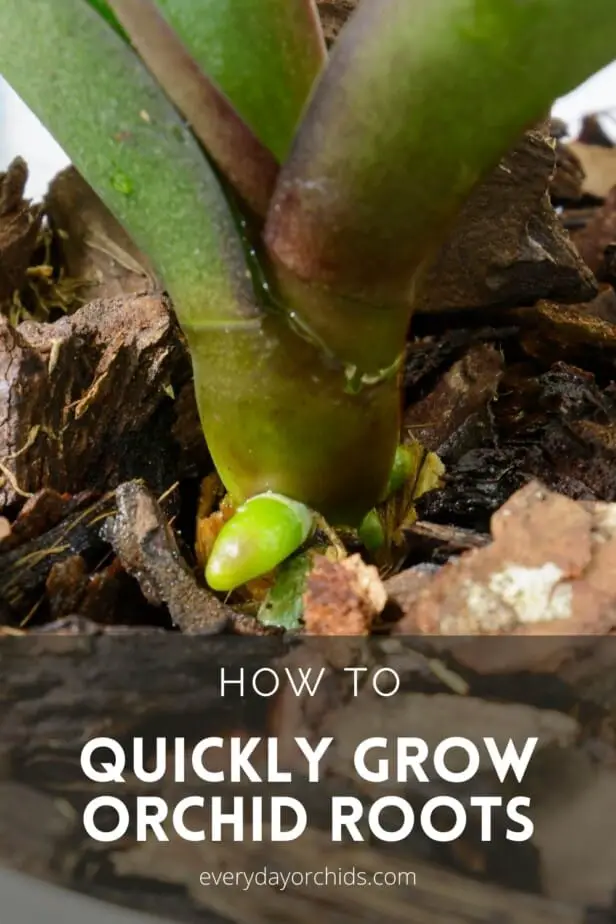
x,y
574,218
25,569
568,180
508,246
334,14
436,348
476,486
147,549
85,405
446,420
557,425
95,248
20,224
603,306
592,132
12,187
434,544
456,538
113,602
66,586
54,544
593,240
24,376
568,414
40,512
58,556
552,332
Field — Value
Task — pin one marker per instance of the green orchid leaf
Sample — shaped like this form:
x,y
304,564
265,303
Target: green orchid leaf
x,y
420,100
248,165
102,7
99,102
263,54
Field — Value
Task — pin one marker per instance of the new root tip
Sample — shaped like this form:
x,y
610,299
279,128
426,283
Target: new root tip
x,y
371,531
404,462
263,532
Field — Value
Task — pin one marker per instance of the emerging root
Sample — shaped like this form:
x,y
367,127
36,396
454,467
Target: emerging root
x,y
264,531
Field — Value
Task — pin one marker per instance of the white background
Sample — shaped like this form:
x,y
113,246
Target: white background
x,y
21,133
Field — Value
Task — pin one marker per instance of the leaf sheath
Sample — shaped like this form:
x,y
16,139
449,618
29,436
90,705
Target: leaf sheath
x,y
264,55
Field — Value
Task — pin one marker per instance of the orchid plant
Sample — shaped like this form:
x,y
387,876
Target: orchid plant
x,y
291,202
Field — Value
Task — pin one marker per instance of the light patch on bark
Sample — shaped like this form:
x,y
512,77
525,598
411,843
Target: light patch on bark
x,y
512,596
534,594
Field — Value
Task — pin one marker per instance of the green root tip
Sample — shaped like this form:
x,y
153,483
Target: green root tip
x,y
404,462
263,533
371,532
